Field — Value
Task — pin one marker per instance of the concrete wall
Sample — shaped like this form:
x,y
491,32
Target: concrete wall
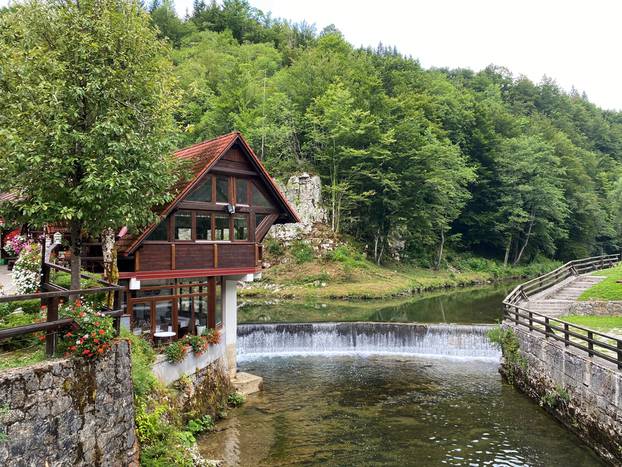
x,y
69,413
168,373
594,406
596,308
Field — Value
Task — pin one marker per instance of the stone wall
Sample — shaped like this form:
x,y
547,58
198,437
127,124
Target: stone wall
x,y
584,395
596,308
69,412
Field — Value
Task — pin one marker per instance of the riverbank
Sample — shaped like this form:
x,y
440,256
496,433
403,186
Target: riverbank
x,y
348,277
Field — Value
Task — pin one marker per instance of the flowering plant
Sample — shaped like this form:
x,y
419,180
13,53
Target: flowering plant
x,y
14,243
27,269
198,344
91,331
212,336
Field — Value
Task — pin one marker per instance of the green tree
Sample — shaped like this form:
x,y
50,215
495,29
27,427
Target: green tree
x,y
86,102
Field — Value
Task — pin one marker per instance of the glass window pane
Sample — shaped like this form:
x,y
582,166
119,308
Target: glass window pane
x,y
184,310
241,191
221,231
218,303
183,226
160,233
154,283
142,318
259,199
204,227
200,310
164,316
259,218
222,189
203,192
240,228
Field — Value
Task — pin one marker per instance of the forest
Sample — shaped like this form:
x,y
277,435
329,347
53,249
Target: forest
x,y
435,160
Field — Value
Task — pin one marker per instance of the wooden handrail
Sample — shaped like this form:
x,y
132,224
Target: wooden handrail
x,y
550,326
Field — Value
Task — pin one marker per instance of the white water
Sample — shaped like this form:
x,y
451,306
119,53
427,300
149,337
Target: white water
x,y
436,340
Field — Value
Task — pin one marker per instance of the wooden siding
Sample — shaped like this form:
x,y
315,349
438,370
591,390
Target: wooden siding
x,y
154,257
194,256
190,255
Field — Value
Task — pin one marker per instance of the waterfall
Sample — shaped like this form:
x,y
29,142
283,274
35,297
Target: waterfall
x,y
459,341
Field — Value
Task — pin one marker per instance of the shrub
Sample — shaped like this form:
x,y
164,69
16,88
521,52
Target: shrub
x,y
347,255
176,351
198,344
236,399
143,356
15,319
212,336
274,247
199,425
27,269
301,251
91,332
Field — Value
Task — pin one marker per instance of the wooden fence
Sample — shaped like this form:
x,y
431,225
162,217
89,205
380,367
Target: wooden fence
x,y
51,296
594,343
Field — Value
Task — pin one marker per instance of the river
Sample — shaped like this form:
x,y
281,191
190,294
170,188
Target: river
x,y
365,393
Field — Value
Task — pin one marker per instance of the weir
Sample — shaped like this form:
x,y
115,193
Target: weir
x,y
443,340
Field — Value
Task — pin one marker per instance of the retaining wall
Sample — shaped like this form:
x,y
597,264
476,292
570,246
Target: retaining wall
x,y
69,412
596,308
584,395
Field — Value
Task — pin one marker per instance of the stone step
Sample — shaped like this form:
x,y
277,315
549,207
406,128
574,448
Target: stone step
x,y
246,384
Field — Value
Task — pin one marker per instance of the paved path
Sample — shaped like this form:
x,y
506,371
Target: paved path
x,y
557,300
6,283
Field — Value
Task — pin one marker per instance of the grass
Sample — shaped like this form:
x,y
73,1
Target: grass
x,y
608,289
21,357
347,275
598,323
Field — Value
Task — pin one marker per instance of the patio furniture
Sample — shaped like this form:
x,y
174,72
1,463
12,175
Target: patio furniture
x,y
162,336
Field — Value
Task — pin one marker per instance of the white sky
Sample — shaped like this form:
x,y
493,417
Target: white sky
x,y
576,42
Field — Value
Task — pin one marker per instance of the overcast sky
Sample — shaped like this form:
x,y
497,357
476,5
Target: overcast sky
x,y
575,42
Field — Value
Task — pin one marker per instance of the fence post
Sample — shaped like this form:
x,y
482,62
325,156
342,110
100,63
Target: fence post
x,y
116,305
590,343
619,354
531,321
566,336
546,327
50,338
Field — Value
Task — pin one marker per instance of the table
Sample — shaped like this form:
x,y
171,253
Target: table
x,y
162,335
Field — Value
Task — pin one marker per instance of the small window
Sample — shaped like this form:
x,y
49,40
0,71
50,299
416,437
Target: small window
x,y
183,226
240,228
222,189
259,199
203,192
204,227
259,218
160,233
221,232
241,191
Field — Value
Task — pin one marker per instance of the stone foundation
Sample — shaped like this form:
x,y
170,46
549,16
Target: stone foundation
x,y
69,412
584,395
596,308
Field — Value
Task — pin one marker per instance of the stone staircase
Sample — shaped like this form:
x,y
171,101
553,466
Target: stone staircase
x,y
556,301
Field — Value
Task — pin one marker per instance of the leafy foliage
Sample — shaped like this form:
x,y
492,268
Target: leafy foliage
x,y
236,399
91,332
176,351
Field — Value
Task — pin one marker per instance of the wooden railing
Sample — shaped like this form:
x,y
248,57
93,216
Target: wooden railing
x,y
51,296
594,343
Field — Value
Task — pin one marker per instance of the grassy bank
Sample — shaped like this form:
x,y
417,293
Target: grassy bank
x,y
598,323
346,274
609,289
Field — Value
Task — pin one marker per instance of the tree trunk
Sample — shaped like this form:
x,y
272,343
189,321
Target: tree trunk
x,y
522,250
75,227
111,270
440,250
507,252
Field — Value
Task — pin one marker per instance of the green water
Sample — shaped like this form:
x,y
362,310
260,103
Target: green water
x,y
367,411
470,305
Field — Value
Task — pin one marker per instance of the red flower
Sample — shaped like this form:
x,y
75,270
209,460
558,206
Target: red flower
x,y
78,303
86,352
101,331
41,338
96,323
69,334
96,341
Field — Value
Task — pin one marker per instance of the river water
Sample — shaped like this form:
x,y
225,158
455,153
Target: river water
x,y
367,394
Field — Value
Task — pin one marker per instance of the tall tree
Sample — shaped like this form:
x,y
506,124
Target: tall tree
x,y
86,104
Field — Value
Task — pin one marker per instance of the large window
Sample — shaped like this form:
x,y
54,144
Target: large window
x,y
204,227
221,228
183,226
203,192
241,191
240,228
222,189
160,233
259,199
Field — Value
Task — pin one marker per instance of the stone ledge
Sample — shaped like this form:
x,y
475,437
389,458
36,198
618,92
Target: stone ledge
x,y
246,384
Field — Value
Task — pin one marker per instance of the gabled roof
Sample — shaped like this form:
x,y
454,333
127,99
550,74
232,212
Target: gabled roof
x,y
202,157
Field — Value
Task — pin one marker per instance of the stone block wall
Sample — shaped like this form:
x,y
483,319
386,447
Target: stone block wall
x,y
69,412
584,395
596,308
